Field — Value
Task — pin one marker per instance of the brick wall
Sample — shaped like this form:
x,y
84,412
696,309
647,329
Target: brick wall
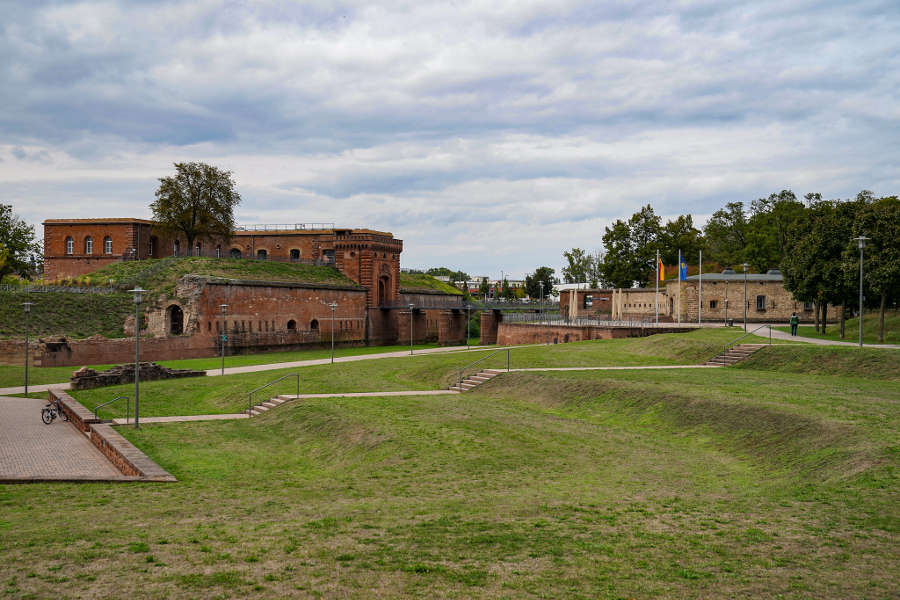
x,y
510,334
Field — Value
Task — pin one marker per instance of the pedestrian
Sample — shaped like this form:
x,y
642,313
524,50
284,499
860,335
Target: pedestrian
x,y
795,320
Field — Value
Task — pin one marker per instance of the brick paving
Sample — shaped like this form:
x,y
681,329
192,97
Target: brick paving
x,y
33,451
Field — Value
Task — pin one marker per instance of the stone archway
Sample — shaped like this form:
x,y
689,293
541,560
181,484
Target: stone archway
x,y
384,290
175,319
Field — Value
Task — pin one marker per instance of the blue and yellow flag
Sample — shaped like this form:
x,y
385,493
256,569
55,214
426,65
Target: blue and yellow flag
x,y
682,271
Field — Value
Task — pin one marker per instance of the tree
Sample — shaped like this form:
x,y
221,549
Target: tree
x,y
17,245
581,267
484,288
631,249
679,234
198,201
771,222
533,283
506,291
726,235
879,220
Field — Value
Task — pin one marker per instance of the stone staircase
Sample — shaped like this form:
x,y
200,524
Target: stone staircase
x,y
475,380
269,404
734,355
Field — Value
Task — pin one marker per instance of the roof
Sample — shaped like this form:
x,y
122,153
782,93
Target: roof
x,y
108,221
729,275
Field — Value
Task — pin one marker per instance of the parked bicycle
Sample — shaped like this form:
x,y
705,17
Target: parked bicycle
x,y
51,411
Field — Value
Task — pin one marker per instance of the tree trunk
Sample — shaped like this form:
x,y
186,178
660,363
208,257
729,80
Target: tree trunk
x,y
824,316
843,317
818,309
881,319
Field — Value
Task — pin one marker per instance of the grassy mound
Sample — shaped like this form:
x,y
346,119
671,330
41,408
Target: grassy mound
x,y
851,329
415,282
827,360
62,313
160,275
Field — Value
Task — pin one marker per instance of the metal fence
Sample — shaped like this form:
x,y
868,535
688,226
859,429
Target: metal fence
x,y
57,288
285,227
558,319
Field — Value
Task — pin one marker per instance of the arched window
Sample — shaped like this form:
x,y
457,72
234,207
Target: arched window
x,y
70,246
199,249
295,254
151,247
314,325
88,245
176,248
218,251
261,254
107,245
292,324
235,253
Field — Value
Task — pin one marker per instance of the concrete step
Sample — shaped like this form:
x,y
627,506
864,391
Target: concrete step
x,y
261,408
269,405
276,401
253,413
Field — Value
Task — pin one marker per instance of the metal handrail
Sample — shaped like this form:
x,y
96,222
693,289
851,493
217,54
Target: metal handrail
x,y
127,405
262,387
737,339
465,368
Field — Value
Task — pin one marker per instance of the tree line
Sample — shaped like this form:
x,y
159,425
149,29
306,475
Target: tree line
x,y
810,241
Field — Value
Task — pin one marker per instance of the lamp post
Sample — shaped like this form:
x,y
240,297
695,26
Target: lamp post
x,y
27,307
138,298
745,265
411,306
726,302
468,318
224,337
333,306
862,244
541,305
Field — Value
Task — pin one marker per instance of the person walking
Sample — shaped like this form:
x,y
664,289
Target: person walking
x,y
795,320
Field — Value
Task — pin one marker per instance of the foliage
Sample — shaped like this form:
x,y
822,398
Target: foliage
x,y
676,235
484,288
445,272
17,245
533,283
582,267
726,235
771,224
198,201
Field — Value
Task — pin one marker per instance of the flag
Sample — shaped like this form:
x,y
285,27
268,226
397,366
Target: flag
x,y
661,269
682,271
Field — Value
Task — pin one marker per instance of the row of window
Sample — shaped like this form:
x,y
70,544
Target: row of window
x,y
265,326
89,245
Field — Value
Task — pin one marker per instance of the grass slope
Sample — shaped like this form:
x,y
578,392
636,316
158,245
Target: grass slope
x,y
62,313
412,282
160,275
827,360
733,483
851,329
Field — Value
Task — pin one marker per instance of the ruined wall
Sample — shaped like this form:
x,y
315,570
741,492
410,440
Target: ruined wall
x,y
600,308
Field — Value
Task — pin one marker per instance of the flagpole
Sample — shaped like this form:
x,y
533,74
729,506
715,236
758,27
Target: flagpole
x,y
700,294
657,287
679,286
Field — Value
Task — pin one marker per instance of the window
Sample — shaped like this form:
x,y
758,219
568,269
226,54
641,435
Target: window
x,y
150,246
760,303
218,251
588,301
88,245
292,324
713,303
808,306
235,253
295,254
261,254
176,247
314,325
107,245
70,246
198,248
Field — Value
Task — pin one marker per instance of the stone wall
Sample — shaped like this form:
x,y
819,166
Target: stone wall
x,y
572,303
776,306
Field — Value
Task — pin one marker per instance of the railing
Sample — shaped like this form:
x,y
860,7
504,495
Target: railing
x,y
127,405
56,288
732,343
262,387
558,319
285,226
459,378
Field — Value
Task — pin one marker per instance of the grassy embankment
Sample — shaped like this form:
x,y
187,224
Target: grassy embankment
x,y
615,484
426,372
851,329
412,282
63,313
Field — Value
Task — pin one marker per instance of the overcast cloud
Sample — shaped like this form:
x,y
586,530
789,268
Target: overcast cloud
x,y
487,135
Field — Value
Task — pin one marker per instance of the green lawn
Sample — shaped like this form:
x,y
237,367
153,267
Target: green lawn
x,y
64,313
691,484
851,329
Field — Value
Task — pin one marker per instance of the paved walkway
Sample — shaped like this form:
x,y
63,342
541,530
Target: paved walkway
x,y
33,451
274,366
645,368
783,335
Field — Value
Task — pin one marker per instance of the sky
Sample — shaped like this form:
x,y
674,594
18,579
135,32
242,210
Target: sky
x,y
488,135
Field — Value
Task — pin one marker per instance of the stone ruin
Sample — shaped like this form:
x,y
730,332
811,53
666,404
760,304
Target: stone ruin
x,y
85,378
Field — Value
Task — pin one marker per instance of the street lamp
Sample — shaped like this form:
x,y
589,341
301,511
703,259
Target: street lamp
x,y
27,306
541,305
862,244
745,265
411,306
137,353
224,337
333,306
468,318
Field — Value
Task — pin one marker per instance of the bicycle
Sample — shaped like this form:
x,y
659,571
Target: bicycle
x,y
51,411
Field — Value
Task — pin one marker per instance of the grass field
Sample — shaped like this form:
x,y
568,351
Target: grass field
x,y
851,329
57,313
618,484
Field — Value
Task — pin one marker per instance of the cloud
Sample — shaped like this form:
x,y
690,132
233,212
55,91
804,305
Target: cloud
x,y
477,131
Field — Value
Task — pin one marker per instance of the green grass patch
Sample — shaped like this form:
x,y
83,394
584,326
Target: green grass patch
x,y
876,363
412,282
710,483
63,313
851,329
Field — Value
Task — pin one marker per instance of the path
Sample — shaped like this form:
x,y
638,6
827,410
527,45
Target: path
x,y
272,366
644,368
783,335
33,451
